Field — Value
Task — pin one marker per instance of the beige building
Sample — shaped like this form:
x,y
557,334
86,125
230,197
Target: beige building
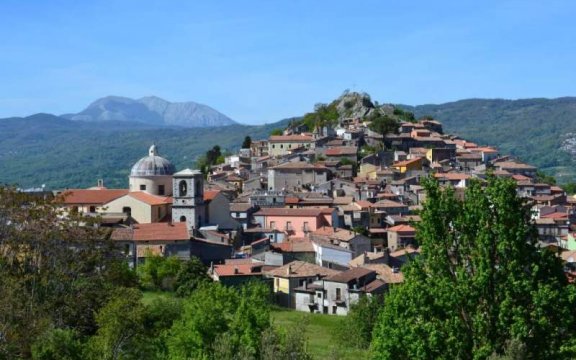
x,y
284,144
141,207
292,275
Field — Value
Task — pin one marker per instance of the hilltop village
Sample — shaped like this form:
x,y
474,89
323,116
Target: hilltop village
x,y
325,214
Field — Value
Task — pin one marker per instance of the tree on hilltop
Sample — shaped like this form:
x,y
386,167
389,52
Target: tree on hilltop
x,y
480,284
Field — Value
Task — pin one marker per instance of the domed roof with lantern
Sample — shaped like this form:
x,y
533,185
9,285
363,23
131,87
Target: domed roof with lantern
x,y
152,165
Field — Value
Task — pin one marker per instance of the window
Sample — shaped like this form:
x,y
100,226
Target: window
x,y
182,188
182,218
338,294
334,308
272,224
92,209
160,189
142,187
127,210
273,146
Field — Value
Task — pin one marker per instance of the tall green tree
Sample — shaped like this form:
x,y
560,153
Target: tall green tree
x,y
247,142
383,124
120,323
56,271
479,284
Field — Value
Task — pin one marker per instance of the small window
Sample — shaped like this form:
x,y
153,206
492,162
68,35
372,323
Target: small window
x,y
281,146
334,308
92,209
338,294
182,188
160,189
127,210
182,218
142,187
272,224
273,146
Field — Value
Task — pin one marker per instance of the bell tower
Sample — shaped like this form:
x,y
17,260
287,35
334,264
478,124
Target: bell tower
x,y
188,198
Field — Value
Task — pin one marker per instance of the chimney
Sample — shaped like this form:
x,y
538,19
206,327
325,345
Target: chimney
x,y
236,270
289,270
101,183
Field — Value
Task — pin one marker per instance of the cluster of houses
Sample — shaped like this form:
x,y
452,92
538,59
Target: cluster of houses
x,y
315,215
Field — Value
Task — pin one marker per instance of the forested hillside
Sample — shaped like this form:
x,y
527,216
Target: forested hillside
x,y
45,149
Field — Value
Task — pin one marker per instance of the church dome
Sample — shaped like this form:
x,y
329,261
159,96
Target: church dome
x,y
152,165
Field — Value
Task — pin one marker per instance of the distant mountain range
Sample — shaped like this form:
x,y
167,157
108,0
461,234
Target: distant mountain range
x,y
58,152
151,110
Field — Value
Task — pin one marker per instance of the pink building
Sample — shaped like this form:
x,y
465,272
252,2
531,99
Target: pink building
x,y
296,222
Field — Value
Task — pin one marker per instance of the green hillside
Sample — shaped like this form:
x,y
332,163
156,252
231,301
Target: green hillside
x,y
45,149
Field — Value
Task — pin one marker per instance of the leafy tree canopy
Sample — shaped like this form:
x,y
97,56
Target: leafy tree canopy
x,y
479,284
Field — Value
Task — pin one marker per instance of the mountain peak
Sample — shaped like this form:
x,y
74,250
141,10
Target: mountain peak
x,y
152,110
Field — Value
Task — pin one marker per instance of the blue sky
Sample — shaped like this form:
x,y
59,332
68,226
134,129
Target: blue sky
x,y
262,61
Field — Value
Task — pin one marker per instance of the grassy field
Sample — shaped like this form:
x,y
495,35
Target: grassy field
x,y
320,331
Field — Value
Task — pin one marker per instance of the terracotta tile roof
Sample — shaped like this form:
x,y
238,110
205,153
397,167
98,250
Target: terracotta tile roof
x,y
514,165
301,269
294,245
519,177
154,232
373,286
150,199
386,273
294,212
341,150
209,195
238,269
335,233
96,196
343,200
290,138
402,228
555,215
349,275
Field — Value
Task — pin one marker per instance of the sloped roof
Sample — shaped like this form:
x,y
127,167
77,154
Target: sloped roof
x,y
96,196
349,275
290,138
209,195
301,269
402,228
153,232
149,198
341,150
